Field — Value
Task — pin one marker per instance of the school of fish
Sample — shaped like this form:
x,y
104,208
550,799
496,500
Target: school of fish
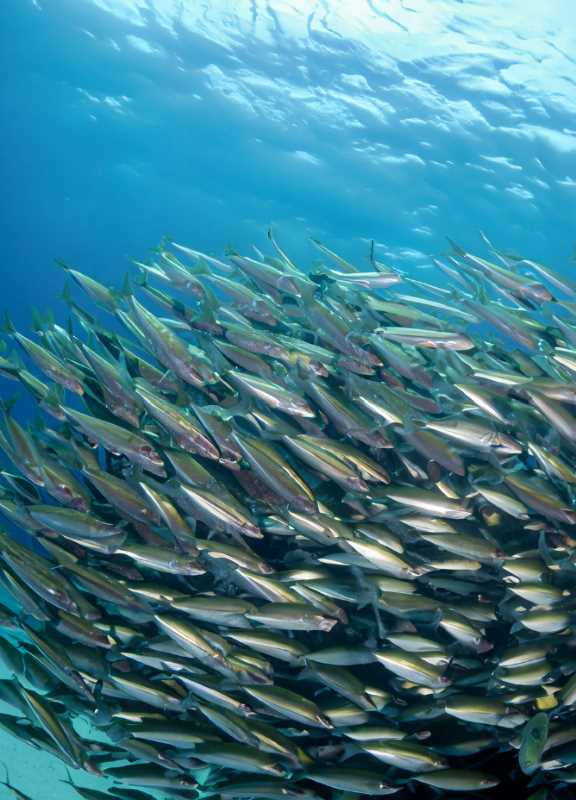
x,y
295,535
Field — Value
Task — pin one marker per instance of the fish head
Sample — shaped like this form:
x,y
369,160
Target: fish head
x,y
484,646
305,505
63,600
505,445
185,783
277,769
92,769
326,624
257,676
357,484
124,412
74,386
72,498
150,454
252,530
540,293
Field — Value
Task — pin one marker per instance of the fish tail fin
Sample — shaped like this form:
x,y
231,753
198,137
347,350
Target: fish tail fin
x,y
41,321
55,396
239,405
38,425
201,267
420,566
405,781
486,476
218,359
472,281
61,263
7,324
141,278
37,321
163,245
486,240
211,304
98,691
350,750
7,404
126,291
456,249
69,780
17,360
66,294
480,290
123,368
285,258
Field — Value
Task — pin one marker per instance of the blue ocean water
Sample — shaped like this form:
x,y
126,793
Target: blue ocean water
x,y
127,120
401,121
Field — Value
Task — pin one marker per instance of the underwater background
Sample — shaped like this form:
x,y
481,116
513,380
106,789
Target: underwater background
x,y
399,121
127,120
